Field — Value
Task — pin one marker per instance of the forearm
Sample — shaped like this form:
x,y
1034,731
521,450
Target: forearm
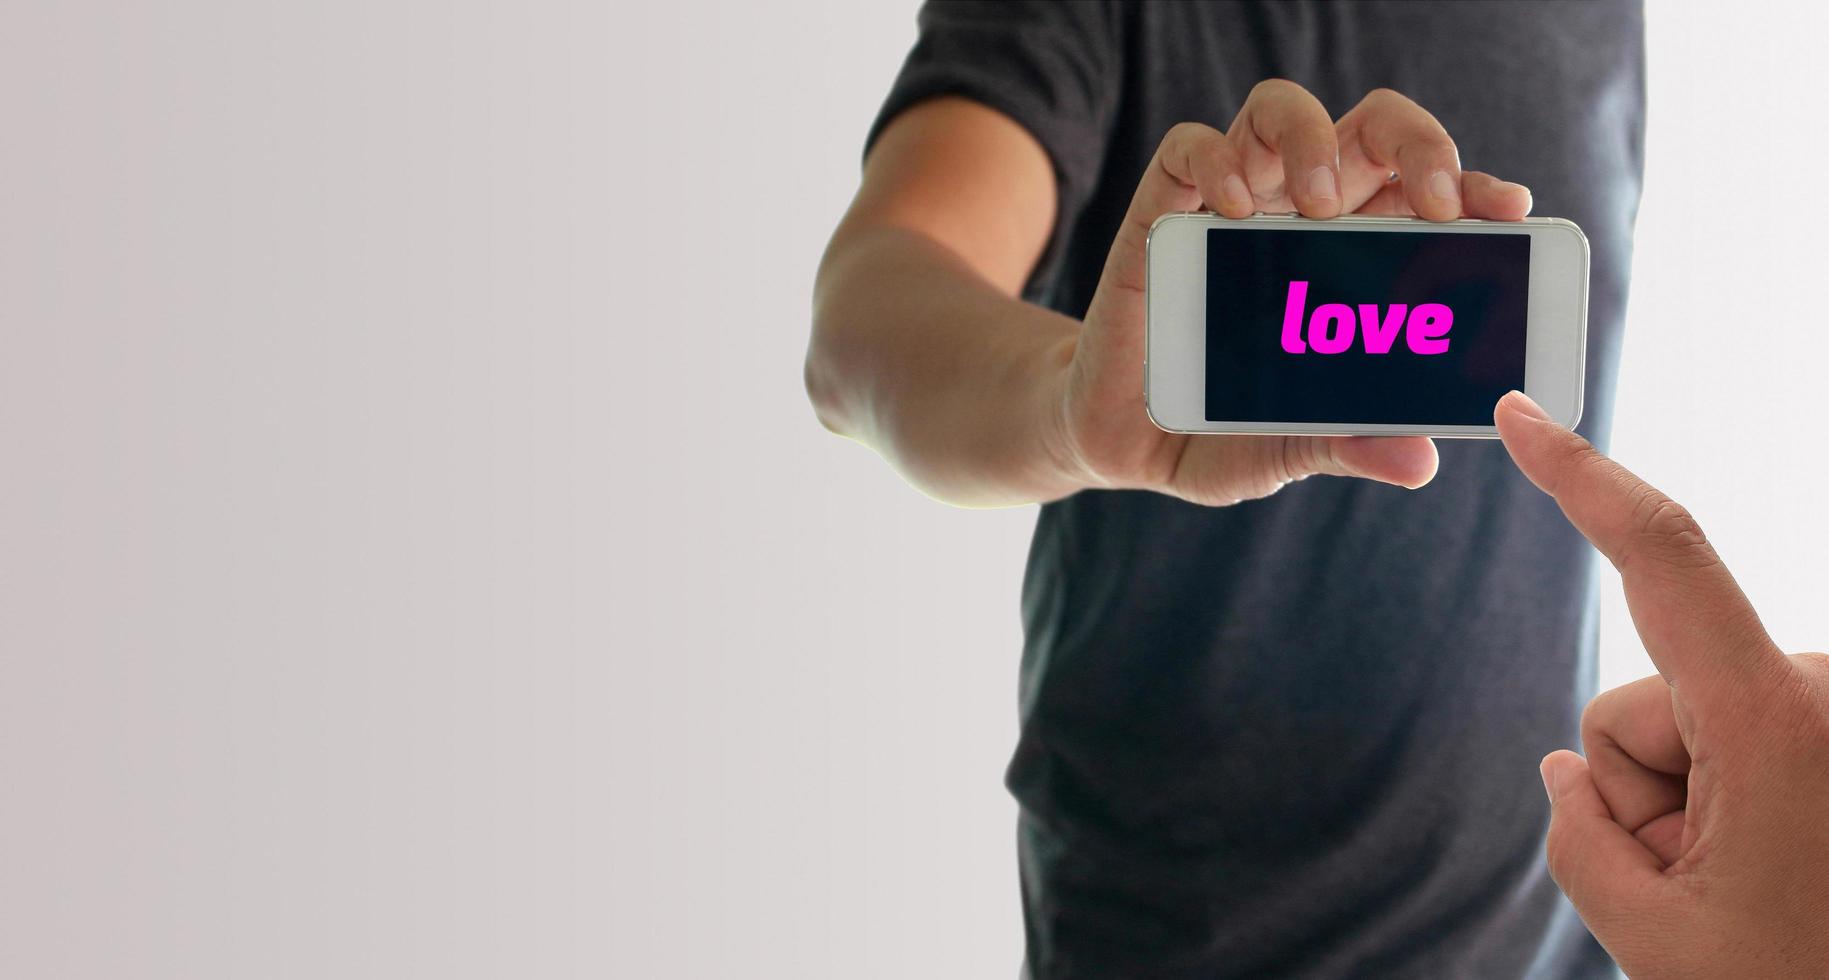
x,y
953,382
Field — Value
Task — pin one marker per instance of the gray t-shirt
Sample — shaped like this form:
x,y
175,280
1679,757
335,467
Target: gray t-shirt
x,y
1299,736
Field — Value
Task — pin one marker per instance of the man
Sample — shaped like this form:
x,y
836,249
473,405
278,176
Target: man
x,y
1267,729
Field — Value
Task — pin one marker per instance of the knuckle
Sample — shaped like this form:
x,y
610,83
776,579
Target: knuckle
x,y
1425,144
1435,143
1283,463
1804,677
1815,665
1275,88
1211,146
1578,454
1320,131
1674,534
1182,132
1291,458
1556,854
1599,722
1286,114
1592,720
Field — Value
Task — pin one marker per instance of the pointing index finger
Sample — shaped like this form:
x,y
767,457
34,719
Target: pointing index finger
x,y
1698,626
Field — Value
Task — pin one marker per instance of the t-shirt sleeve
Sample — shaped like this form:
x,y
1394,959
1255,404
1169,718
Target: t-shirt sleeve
x,y
1051,66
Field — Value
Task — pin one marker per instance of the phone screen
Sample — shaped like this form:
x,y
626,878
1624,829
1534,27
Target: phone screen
x,y
1407,328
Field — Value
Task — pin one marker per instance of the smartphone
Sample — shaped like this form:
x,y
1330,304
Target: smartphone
x,y
1360,325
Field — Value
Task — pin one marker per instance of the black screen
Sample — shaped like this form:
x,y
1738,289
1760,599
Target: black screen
x,y
1406,328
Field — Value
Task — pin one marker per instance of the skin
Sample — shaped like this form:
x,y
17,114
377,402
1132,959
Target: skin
x,y
1692,839
923,351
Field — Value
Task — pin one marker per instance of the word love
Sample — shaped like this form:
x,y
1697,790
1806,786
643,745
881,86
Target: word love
x,y
1330,330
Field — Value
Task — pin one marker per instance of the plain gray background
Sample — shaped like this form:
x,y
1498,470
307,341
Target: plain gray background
x,y
417,557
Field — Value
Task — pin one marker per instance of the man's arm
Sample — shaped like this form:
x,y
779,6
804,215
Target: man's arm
x,y
920,348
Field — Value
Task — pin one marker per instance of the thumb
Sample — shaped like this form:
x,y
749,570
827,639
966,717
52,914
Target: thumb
x,y
1405,461
1609,876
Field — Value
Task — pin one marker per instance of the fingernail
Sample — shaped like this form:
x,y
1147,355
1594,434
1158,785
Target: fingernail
x,y
1521,403
1530,200
1442,187
1235,191
1321,185
1549,782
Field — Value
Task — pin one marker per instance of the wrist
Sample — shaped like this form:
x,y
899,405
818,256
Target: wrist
x,y
1065,462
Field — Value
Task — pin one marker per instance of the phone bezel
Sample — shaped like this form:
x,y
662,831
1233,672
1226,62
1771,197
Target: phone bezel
x,y
1174,365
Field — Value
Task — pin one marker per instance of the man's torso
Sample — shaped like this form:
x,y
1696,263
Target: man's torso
x,y
1299,735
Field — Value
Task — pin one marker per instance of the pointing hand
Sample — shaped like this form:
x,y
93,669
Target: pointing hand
x,y
1694,838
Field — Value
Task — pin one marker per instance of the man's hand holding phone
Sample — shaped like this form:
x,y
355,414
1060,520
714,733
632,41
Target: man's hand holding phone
x,y
923,350
1388,156
1692,839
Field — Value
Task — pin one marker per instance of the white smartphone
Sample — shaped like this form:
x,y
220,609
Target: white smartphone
x,y
1361,326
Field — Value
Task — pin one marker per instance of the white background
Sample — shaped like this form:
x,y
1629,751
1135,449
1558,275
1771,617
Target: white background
x,y
417,557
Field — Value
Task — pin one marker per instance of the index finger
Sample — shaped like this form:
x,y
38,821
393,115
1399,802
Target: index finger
x,y
1289,147
1387,133
1698,626
1194,163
